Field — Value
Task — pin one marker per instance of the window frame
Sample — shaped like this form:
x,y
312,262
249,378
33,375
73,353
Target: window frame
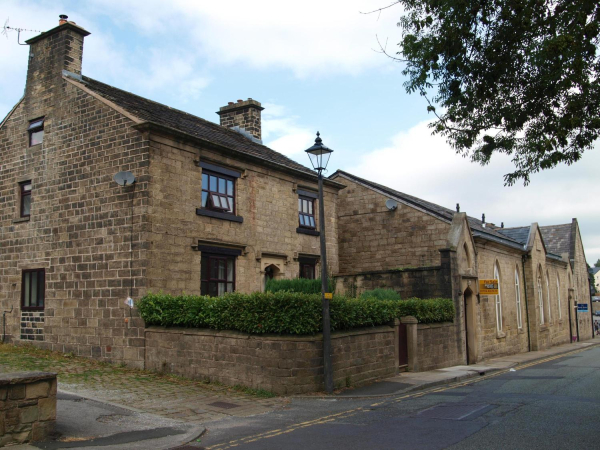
x,y
558,297
540,298
35,126
518,299
41,272
208,257
548,298
498,300
312,264
311,202
22,195
210,193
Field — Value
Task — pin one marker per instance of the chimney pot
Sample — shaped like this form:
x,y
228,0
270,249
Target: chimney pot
x,y
62,19
240,100
230,103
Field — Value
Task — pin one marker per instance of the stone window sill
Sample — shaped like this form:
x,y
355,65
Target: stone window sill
x,y
21,220
307,231
500,335
219,215
521,330
544,327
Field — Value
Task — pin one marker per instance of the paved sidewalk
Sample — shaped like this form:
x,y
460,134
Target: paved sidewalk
x,y
411,381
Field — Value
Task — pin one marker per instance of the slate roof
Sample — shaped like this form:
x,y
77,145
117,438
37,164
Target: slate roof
x,y
148,110
557,238
519,234
446,214
594,270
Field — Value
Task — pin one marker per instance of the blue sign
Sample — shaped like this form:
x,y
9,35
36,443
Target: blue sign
x,y
582,307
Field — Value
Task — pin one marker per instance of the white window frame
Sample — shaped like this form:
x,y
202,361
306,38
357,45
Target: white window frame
x,y
498,300
548,298
518,299
540,298
558,297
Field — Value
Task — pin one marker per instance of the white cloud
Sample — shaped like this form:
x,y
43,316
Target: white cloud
x,y
282,132
425,166
312,38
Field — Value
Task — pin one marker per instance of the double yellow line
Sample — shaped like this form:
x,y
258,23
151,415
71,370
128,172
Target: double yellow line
x,y
351,412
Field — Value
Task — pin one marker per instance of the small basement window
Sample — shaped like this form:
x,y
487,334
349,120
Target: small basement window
x,y
36,131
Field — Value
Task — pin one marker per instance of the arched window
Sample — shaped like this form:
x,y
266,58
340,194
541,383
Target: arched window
x,y
518,298
498,300
467,255
558,297
540,298
548,298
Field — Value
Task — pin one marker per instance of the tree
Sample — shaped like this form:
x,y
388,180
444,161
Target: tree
x,y
597,263
519,77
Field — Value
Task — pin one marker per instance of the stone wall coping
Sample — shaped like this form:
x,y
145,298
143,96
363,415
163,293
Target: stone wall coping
x,y
266,336
25,377
399,270
435,325
408,319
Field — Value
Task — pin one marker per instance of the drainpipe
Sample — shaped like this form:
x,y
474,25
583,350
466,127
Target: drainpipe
x,y
523,258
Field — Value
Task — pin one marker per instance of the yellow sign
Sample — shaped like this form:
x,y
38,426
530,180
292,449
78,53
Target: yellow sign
x,y
328,295
488,287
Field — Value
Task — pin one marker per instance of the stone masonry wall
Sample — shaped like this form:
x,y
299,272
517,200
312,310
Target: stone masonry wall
x,y
32,325
282,364
27,407
266,199
81,220
511,339
438,347
581,284
421,282
373,238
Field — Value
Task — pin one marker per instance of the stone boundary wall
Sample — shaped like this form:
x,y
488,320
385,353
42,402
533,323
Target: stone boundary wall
x,y
281,364
438,346
27,406
421,282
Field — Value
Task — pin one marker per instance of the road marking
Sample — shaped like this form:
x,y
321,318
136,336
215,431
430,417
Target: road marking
x,y
348,413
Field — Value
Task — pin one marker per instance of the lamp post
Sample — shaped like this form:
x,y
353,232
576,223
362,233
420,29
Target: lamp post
x,y
319,157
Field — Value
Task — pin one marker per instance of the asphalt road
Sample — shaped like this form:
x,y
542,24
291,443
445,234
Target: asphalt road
x,y
549,405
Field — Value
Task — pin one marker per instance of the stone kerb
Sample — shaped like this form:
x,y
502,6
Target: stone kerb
x,y
27,406
281,364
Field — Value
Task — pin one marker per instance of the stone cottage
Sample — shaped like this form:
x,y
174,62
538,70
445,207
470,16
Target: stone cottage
x,y
212,210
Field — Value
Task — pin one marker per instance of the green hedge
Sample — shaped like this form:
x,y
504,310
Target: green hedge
x,y
284,312
301,285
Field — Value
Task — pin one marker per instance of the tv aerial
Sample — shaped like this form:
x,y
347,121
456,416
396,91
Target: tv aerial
x,y
6,28
124,178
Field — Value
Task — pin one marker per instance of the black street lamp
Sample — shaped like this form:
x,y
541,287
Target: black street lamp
x,y
319,157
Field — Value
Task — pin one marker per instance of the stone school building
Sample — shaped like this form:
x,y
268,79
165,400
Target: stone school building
x,y
213,210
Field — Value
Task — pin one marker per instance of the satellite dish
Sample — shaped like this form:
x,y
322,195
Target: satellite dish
x,y
124,178
392,205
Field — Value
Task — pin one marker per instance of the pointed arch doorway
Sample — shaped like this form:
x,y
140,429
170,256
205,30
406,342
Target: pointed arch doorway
x,y
469,303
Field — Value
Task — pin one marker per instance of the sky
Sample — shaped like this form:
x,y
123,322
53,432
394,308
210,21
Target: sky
x,y
314,66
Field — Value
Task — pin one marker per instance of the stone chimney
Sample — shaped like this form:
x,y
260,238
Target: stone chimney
x,y
244,114
51,52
